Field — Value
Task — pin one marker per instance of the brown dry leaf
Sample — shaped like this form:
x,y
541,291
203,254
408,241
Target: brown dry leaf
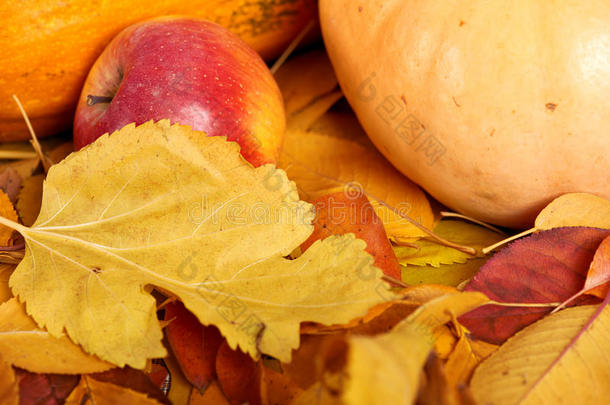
x,y
10,182
30,199
211,396
93,392
305,78
6,270
7,211
322,164
25,345
9,388
575,209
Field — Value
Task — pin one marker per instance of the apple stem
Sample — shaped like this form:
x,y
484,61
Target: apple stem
x,y
92,100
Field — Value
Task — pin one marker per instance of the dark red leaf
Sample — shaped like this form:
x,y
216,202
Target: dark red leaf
x,y
340,213
549,266
44,389
193,344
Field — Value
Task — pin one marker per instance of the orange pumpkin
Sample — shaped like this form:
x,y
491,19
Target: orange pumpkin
x,y
47,47
494,107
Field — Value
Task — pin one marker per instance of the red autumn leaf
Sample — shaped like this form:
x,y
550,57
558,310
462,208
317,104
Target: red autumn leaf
x,y
598,278
549,266
133,379
44,389
193,345
340,213
238,375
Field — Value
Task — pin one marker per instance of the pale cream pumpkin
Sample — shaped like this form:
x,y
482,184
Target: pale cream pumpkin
x,y
494,107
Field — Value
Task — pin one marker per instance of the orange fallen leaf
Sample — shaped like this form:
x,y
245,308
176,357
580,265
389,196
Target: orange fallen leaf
x,y
340,213
238,375
212,395
277,388
92,391
194,345
9,389
5,273
7,211
30,199
132,379
598,277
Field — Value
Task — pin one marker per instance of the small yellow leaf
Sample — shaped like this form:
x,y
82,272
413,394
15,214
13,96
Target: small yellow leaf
x,y
427,252
575,209
9,388
322,164
169,207
561,359
5,273
448,274
93,392
25,345
7,211
30,199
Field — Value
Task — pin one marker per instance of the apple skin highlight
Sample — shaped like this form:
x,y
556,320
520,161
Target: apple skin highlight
x,y
191,71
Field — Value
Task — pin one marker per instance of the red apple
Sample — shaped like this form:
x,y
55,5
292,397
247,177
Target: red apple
x,y
191,71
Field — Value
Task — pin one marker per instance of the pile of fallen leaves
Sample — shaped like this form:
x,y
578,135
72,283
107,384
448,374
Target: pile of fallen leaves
x,y
158,266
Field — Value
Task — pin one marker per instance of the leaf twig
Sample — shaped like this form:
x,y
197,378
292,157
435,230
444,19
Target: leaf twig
x,y
46,163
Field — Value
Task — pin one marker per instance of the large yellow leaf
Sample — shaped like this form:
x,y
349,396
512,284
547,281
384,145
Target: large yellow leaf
x,y
91,391
561,359
25,345
322,164
385,369
165,206
575,209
